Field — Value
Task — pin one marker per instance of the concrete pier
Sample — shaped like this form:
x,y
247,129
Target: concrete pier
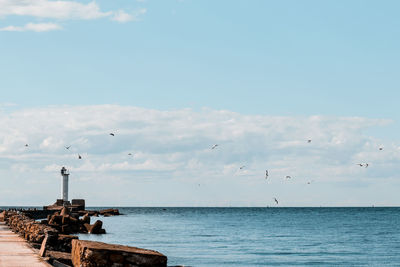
x,y
15,251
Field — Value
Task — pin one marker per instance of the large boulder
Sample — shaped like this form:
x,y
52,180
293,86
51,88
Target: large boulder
x,y
93,254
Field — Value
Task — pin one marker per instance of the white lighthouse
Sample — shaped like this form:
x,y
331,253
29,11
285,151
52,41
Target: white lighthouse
x,y
64,185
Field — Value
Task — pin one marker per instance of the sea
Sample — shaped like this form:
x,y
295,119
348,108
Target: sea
x,y
260,236
274,236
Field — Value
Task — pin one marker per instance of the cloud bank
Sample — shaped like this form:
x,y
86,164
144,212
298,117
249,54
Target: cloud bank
x,y
165,157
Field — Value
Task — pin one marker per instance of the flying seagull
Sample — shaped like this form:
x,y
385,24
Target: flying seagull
x,y
363,165
67,147
242,167
214,146
288,176
276,201
381,148
129,154
266,174
26,145
309,141
112,134
79,156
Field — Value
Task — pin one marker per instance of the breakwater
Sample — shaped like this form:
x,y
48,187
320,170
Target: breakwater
x,y
53,238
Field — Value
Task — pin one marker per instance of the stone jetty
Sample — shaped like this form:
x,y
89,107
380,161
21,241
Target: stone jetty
x,y
54,241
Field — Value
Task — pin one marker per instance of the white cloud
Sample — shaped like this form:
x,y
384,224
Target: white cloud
x,y
42,27
36,27
12,29
51,9
59,10
173,148
122,16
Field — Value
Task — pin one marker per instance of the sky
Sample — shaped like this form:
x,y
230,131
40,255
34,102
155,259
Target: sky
x,y
172,78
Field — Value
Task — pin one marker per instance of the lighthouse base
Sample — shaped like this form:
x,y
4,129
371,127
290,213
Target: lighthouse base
x,y
77,204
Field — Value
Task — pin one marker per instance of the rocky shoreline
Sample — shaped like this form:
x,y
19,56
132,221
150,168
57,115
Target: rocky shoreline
x,y
54,240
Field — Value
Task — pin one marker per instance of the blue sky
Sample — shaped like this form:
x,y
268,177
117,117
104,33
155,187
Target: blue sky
x,y
282,61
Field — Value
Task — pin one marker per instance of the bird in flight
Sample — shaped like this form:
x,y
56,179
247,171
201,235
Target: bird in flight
x,y
309,182
266,174
309,141
129,154
79,156
112,134
276,201
380,148
214,146
67,147
242,167
363,165
26,145
288,176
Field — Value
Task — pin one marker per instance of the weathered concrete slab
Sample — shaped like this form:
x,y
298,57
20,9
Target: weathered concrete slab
x,y
90,254
15,252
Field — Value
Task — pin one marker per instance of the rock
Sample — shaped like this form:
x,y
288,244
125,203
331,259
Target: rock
x,y
85,219
87,227
43,247
56,220
65,219
93,213
56,263
96,227
62,257
64,243
30,229
89,253
2,216
74,215
109,212
66,229
65,211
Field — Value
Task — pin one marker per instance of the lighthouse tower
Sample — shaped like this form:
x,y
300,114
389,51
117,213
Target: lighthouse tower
x,y
64,185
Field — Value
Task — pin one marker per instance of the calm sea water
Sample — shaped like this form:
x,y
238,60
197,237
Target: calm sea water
x,y
261,236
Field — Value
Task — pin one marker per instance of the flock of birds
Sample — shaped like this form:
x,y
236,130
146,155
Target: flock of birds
x,y
288,176
79,155
241,167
